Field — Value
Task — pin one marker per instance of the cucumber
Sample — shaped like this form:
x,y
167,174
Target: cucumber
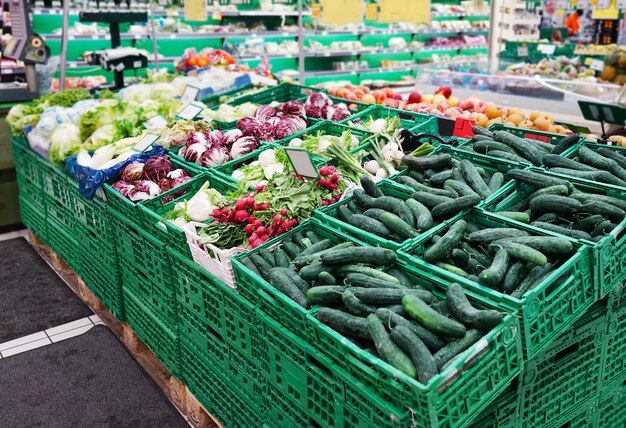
x,y
429,200
364,200
293,277
284,284
409,181
515,215
370,187
354,207
430,172
602,208
371,273
305,259
369,225
508,156
453,269
301,241
326,278
417,351
600,176
483,259
565,144
312,272
313,237
453,192
593,197
442,248
459,187
554,204
486,236
417,175
262,266
344,213
440,178
395,206
454,348
544,147
371,256
560,189
436,162
479,130
374,213
473,178
354,305
460,258
365,281
523,252
388,296
603,228
536,179
423,217
572,233
449,210
391,319
550,245
280,258
515,275
430,319
525,148
497,181
267,256
344,323
530,279
441,307
387,349
587,224
250,265
547,218
433,190
291,249
492,276
456,175
594,159
556,161
325,295
462,309
398,226
485,147
404,280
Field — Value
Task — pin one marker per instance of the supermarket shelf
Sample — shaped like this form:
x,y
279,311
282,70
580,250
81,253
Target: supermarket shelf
x,y
391,51
163,12
368,31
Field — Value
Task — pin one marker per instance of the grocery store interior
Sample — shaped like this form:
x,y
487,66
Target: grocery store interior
x,y
313,213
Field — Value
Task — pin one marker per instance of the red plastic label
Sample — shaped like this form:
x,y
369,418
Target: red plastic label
x,y
543,138
463,128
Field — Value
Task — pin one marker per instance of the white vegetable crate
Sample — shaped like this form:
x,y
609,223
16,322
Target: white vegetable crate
x,y
216,261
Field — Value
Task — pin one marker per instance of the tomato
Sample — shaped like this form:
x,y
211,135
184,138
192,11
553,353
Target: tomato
x,y
203,62
192,61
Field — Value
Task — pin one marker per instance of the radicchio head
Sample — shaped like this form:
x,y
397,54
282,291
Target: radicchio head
x,y
263,113
249,125
157,167
231,136
193,153
293,108
243,146
215,156
123,187
318,99
132,172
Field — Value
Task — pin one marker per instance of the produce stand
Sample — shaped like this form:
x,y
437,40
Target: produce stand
x,y
255,354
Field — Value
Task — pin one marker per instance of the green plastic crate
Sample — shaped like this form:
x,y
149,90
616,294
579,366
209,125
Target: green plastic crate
x,y
154,210
328,216
546,311
446,401
224,172
609,254
533,134
34,218
572,153
408,119
63,243
158,337
29,164
329,128
612,406
615,363
583,417
102,276
565,377
503,412
216,305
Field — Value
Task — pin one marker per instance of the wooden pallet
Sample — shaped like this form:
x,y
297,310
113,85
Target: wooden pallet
x,y
173,388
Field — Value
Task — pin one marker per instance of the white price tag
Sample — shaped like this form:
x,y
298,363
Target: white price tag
x,y
563,4
603,4
137,64
522,51
546,49
145,142
620,4
189,94
597,65
155,122
189,112
302,163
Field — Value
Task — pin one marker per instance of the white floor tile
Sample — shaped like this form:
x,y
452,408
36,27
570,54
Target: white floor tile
x,y
11,235
69,326
26,347
23,340
71,333
95,319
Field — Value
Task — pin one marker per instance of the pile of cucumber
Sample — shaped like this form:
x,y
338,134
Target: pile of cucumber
x,y
567,210
507,146
387,217
506,259
604,165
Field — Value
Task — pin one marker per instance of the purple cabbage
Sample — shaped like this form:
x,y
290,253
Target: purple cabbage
x,y
314,111
132,172
286,127
328,112
179,180
249,125
215,138
195,138
266,132
231,136
177,173
157,168
143,190
274,120
263,113
123,187
341,113
215,156
318,99
193,153
299,122
164,184
292,108
243,146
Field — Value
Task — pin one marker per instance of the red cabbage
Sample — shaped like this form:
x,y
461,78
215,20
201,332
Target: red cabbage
x,y
231,136
318,99
263,113
143,190
177,173
286,127
328,112
123,187
266,132
157,167
243,146
215,138
249,125
164,184
215,156
274,120
341,114
179,180
313,111
132,172
292,108
196,137
193,153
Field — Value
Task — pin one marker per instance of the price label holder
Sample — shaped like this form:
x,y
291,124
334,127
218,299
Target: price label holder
x,y
597,64
620,4
542,138
599,112
603,4
189,94
463,128
146,142
546,49
155,122
445,126
302,162
189,112
575,128
522,51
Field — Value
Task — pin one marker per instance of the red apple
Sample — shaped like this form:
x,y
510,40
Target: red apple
x,y
466,104
446,91
398,97
379,96
415,97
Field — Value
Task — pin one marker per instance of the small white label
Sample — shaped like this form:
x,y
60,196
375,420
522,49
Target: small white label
x,y
301,161
582,4
562,4
190,111
145,142
120,66
522,51
603,4
620,4
546,49
156,122
189,94
137,64
597,64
